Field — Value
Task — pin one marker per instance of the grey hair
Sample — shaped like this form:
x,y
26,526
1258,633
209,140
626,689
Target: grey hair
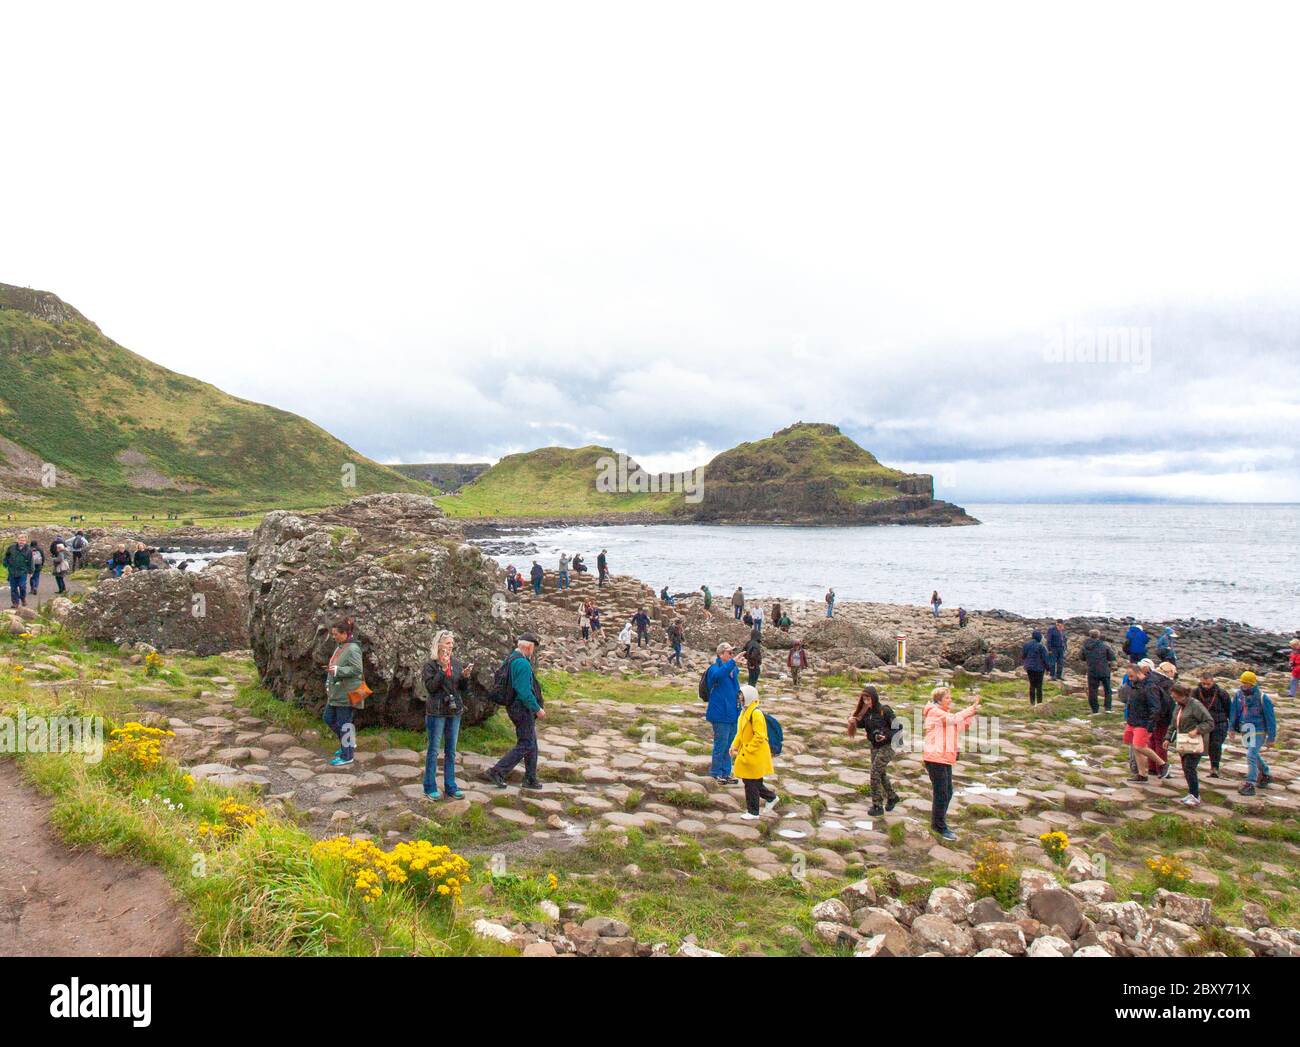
x,y
443,634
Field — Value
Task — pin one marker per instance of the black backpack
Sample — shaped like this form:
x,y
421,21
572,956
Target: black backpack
x,y
503,693
704,686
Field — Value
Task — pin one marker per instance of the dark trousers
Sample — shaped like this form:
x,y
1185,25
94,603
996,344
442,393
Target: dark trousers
x,y
78,560
525,749
58,579
676,656
642,636
755,790
339,720
941,780
17,588
1190,760
1035,686
1095,682
738,611
753,675
1158,742
1216,740
1056,664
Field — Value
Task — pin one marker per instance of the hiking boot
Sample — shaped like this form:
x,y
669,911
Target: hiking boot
x,y
1247,790
1138,778
875,811
495,777
1214,773
892,802
534,784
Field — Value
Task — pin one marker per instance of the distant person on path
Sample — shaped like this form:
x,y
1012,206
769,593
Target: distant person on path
x,y
936,601
1191,728
1295,667
62,565
708,597
881,725
1100,658
625,638
830,603
752,753
961,617
676,637
562,581
602,567
722,681
1139,720
939,752
346,674
18,565
524,707
1036,661
38,561
80,546
1161,685
797,661
754,657
1165,647
536,575
1219,706
1135,643
641,621
445,681
1056,649
738,602
1253,718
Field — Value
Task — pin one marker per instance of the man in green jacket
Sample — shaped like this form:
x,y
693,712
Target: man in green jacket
x,y
524,709
18,565
345,674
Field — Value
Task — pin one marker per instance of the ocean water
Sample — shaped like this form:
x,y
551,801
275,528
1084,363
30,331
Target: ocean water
x,y
1157,562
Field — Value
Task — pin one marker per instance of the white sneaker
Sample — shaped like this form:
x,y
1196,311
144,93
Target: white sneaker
x,y
771,803
749,817
1191,801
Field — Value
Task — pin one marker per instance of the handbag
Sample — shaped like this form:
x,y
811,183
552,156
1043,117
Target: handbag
x,y
1187,744
360,694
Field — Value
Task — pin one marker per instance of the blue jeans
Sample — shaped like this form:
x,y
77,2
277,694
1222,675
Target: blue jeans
x,y
723,735
17,588
830,610
444,730
1295,682
338,718
1255,765
537,587
1056,664
35,583
738,610
564,579
677,654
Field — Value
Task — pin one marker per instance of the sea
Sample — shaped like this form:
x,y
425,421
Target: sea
x,y
1153,561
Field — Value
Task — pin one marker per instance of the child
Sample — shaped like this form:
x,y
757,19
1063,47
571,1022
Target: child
x,y
625,638
584,621
752,754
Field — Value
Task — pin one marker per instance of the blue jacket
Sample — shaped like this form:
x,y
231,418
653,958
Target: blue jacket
x,y
1035,654
1253,708
1165,645
724,692
1137,641
1055,639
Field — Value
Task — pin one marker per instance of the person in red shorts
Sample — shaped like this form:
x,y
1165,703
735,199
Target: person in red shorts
x,y
1139,720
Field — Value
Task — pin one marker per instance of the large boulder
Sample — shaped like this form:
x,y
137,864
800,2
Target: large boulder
x,y
398,567
201,611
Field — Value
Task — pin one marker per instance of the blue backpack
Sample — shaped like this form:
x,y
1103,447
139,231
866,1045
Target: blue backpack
x,y
775,735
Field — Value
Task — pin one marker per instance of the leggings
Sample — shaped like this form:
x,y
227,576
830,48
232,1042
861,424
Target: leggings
x,y
755,790
1035,686
1190,760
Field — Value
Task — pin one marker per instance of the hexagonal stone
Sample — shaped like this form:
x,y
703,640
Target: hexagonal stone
x,y
509,814
406,756
400,772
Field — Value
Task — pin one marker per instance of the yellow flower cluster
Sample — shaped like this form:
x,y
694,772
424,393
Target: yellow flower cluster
x,y
235,817
1169,872
552,882
1055,843
141,745
425,867
153,663
993,874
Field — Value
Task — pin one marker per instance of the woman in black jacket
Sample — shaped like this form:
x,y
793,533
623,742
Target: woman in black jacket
x,y
878,720
444,681
1218,703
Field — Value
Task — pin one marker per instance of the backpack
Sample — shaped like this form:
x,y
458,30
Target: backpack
x,y
704,686
775,735
502,692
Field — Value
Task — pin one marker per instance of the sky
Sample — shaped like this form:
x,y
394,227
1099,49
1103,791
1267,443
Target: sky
x,y
1043,253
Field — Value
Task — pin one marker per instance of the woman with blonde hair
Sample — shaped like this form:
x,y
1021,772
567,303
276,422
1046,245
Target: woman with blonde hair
x,y
939,752
444,681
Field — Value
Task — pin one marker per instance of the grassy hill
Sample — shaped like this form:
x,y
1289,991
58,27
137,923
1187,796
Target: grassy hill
x,y
128,435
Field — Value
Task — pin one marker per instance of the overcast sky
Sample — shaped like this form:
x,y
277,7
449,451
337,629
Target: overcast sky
x,y
453,231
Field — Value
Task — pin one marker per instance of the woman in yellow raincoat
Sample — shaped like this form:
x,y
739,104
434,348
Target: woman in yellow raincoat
x,y
753,755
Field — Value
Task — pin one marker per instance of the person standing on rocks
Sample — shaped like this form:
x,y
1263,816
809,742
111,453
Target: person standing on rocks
x,y
38,561
536,575
1165,647
1161,685
754,657
445,681
641,621
676,637
18,565
1219,706
1036,661
1135,643
1253,718
346,674
1139,720
625,638
830,603
722,681
939,752
80,546
563,582
881,726
524,708
62,564
708,598
602,567
584,619
961,617
775,613
1192,726
738,601
1100,658
797,661
758,621
1056,649
936,601
752,752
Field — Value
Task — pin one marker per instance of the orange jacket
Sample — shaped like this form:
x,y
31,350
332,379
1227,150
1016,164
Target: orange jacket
x,y
941,733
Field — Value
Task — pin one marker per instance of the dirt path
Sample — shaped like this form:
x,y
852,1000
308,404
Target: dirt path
x,y
58,902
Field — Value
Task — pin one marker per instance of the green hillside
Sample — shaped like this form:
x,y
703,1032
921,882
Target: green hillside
x,y
128,435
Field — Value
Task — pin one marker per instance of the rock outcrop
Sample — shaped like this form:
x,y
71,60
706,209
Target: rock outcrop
x,y
398,567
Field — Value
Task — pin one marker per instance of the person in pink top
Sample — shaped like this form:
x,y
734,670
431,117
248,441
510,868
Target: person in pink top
x,y
943,729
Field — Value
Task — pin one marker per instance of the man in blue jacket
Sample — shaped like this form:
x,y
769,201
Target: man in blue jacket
x,y
1135,643
723,682
524,709
1253,718
1036,661
1056,650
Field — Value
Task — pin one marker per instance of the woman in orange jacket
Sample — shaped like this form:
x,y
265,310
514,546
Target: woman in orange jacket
x,y
939,752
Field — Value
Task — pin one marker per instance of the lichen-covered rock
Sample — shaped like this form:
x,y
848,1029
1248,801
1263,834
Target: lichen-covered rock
x,y
201,611
397,566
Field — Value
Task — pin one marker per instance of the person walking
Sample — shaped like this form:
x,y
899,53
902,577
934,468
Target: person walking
x,y
1036,661
939,752
936,602
625,638
752,752
830,603
754,657
524,708
445,681
62,565
18,565
1252,716
1056,645
1165,646
708,597
344,678
536,575
676,637
1139,720
881,727
1161,685
641,622
738,601
1135,643
563,576
797,661
1099,657
602,567
1295,667
1192,727
38,562
722,682
1219,705
80,546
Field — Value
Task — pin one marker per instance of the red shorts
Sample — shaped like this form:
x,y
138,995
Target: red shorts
x,y
1138,737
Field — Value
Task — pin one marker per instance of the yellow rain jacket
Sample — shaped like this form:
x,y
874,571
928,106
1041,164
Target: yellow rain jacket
x,y
753,754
